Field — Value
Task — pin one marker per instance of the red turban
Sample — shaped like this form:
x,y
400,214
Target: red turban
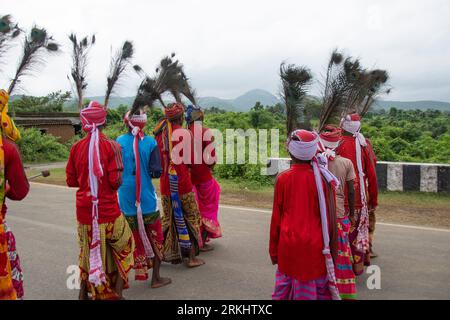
x,y
302,144
330,136
136,120
93,115
174,110
351,123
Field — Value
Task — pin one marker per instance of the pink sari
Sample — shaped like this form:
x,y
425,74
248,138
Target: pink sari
x,y
208,195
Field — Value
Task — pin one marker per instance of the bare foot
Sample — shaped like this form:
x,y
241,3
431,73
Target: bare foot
x,y
83,297
161,282
83,294
206,248
194,262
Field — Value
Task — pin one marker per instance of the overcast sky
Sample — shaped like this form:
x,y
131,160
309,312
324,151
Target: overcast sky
x,y
230,47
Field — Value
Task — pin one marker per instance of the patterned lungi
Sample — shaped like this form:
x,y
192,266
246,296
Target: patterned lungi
x,y
7,290
171,250
16,269
372,223
360,258
345,276
117,247
288,288
154,233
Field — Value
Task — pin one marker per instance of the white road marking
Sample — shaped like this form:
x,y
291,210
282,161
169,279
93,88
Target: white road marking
x,y
261,211
412,227
378,223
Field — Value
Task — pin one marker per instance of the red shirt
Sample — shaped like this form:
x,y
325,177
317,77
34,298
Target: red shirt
x,y
77,173
182,168
347,149
14,175
296,241
201,172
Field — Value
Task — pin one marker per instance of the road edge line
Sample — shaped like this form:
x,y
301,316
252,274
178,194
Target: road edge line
x,y
269,211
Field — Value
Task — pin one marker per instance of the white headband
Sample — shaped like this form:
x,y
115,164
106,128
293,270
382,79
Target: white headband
x,y
303,150
350,126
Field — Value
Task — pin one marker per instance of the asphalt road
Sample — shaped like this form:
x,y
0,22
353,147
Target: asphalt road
x,y
414,262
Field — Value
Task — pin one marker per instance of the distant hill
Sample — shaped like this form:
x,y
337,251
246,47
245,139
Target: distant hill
x,y
114,102
208,102
242,103
412,105
246,101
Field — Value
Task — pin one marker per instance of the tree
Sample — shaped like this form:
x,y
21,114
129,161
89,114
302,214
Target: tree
x,y
53,102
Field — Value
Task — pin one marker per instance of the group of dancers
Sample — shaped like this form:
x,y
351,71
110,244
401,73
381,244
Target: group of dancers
x,y
323,216
120,227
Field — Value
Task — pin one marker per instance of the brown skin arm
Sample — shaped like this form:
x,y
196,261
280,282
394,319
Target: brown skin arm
x,y
351,198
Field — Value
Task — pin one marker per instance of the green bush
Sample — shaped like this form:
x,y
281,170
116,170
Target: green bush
x,y
38,147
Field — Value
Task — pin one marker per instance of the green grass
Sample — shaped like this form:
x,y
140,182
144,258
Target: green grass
x,y
416,199
57,176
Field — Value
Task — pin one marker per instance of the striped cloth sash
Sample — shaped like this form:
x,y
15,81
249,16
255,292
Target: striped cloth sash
x,y
177,209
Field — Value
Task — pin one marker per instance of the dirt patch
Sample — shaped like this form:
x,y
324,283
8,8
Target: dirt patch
x,y
391,209
429,217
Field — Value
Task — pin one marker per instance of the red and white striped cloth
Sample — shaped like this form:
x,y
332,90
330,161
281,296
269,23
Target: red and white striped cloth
x,y
304,147
137,123
93,116
352,123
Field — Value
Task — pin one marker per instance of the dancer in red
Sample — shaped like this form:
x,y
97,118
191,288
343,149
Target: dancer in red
x,y
303,222
206,188
355,148
181,219
14,186
106,241
342,169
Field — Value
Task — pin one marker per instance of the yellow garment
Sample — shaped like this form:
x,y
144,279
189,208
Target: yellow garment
x,y
171,251
117,247
7,291
8,127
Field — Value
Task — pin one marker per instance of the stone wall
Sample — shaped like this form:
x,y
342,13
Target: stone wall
x,y
64,132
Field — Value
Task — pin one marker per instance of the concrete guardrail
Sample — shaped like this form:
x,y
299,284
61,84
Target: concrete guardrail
x,y
397,176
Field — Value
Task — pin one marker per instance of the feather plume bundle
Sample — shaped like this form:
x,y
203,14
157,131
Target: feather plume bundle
x,y
80,50
169,78
8,31
118,65
294,83
342,73
36,43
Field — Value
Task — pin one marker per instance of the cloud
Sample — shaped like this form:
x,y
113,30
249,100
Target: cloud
x,y
229,47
